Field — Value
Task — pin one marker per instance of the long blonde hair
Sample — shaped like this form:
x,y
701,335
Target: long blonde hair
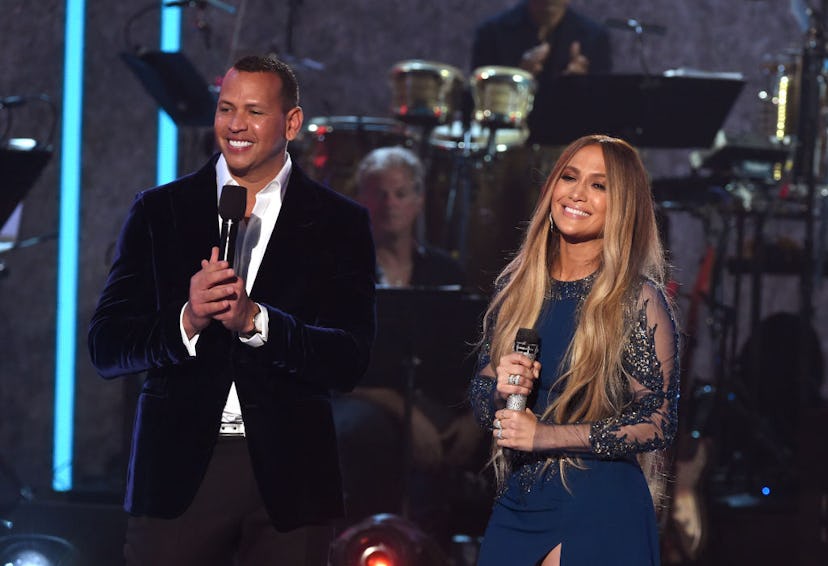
x,y
594,382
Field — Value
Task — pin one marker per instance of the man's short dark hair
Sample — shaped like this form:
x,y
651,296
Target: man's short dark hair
x,y
271,64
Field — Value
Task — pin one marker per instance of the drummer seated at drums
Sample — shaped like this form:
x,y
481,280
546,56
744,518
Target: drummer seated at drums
x,y
390,184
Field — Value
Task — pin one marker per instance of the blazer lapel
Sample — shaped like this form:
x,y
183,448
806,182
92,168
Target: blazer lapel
x,y
195,212
292,235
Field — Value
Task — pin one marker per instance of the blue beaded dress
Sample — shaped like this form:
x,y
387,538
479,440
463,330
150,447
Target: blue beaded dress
x,y
606,516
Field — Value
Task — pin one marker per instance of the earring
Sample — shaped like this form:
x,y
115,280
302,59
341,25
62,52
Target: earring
x,y
551,223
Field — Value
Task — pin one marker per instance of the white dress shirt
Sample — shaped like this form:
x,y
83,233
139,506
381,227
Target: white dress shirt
x,y
251,243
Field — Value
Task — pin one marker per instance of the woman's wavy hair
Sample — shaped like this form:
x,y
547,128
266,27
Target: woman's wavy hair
x,y
594,380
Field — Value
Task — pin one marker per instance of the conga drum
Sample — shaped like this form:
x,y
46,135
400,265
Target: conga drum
x,y
461,161
425,93
506,183
503,96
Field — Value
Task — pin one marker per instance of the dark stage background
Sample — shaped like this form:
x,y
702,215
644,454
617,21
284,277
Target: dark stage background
x,y
357,41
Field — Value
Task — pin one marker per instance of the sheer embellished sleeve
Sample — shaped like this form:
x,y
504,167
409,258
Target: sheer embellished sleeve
x,y
482,386
651,360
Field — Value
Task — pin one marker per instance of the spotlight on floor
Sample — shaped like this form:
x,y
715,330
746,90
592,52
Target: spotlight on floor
x,y
36,550
386,540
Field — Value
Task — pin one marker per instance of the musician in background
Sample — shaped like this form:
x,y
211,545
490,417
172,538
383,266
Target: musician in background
x,y
371,420
546,38
390,184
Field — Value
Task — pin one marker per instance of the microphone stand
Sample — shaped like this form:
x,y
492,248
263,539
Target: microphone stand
x,y
409,366
639,28
639,41
456,215
288,56
822,241
291,22
807,164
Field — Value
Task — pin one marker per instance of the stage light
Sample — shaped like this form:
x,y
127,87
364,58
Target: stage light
x,y
386,540
378,556
36,550
28,558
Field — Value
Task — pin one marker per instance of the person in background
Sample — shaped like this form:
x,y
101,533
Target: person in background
x,y
371,421
234,455
390,184
578,469
546,38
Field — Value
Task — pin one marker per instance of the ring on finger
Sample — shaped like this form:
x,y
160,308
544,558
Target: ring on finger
x,y
497,423
514,379
499,433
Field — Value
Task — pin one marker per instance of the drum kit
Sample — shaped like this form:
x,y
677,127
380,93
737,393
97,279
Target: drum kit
x,y
469,154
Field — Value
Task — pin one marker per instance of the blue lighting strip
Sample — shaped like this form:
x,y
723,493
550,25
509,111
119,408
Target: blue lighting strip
x,y
67,291
167,156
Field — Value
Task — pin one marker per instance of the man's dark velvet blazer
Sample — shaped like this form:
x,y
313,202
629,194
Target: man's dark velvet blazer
x,y
316,282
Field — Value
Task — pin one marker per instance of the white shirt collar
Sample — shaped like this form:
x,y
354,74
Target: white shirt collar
x,y
279,182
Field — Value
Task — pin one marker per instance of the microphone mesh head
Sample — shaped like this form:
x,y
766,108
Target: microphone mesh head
x,y
232,202
528,335
527,342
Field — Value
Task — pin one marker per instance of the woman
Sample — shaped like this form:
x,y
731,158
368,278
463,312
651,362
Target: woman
x,y
603,394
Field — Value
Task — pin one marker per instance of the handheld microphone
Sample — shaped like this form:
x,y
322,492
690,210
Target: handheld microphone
x,y
527,343
232,204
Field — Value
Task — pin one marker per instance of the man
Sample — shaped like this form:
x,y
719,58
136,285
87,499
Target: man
x,y
390,183
546,38
234,455
394,460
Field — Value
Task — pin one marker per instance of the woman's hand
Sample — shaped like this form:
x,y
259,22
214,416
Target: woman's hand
x,y
516,374
515,429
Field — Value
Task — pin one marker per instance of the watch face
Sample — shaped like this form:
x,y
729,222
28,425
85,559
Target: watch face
x,y
258,325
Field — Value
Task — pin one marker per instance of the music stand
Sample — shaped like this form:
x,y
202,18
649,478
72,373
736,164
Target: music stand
x,y
691,191
653,111
175,84
424,344
20,169
436,325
